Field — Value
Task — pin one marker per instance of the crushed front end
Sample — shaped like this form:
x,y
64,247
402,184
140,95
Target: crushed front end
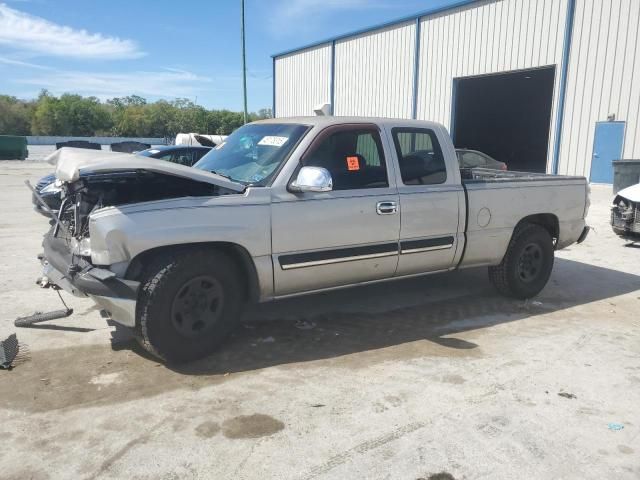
x,y
625,218
67,261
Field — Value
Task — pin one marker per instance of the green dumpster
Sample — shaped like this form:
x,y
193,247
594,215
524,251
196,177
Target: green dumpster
x,y
13,147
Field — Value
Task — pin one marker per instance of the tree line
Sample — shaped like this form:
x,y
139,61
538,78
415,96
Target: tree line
x,y
131,116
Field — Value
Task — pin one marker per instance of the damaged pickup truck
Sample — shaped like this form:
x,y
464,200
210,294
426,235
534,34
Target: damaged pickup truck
x,y
291,206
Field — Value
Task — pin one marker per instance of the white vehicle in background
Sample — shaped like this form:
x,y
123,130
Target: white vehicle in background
x,y
196,139
625,213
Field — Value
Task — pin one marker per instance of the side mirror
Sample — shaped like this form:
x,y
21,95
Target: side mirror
x,y
312,179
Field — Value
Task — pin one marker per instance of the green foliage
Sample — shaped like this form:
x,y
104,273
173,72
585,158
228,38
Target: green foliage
x,y
131,116
15,116
69,115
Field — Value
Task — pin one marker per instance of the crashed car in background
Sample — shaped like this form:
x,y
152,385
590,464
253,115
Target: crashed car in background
x,y
625,213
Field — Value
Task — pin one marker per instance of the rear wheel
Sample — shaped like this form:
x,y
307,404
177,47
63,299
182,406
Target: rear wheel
x,y
189,302
527,265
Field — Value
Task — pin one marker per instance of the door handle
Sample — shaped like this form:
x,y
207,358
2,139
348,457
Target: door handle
x,y
386,208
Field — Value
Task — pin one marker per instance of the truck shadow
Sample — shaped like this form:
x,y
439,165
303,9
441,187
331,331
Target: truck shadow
x,y
438,316
371,318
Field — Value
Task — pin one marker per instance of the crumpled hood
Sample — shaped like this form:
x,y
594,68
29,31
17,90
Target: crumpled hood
x,y
631,193
71,162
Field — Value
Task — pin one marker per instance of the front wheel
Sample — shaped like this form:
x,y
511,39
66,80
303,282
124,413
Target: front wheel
x,y
189,302
526,267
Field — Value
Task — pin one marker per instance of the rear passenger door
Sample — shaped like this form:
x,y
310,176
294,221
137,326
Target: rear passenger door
x,y
431,197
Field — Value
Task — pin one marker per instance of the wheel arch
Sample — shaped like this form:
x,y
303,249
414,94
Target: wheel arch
x,y
548,221
239,254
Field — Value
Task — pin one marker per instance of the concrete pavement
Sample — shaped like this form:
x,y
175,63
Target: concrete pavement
x,y
401,380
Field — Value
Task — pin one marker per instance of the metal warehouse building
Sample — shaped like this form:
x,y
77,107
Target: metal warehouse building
x,y
543,85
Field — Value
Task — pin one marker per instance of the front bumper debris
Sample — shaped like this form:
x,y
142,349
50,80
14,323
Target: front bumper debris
x,y
9,351
78,277
625,220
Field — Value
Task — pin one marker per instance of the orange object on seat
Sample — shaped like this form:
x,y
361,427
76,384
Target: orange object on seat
x,y
353,163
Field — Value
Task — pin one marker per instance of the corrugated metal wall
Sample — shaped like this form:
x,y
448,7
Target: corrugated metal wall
x,y
303,80
374,70
487,37
374,73
604,79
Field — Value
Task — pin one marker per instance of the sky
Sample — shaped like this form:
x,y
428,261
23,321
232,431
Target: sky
x,y
162,49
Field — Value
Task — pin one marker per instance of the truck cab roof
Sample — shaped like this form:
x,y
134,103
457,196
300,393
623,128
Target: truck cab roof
x,y
338,120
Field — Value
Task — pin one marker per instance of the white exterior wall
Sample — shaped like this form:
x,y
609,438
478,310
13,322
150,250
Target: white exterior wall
x,y
374,70
303,80
374,73
603,79
488,37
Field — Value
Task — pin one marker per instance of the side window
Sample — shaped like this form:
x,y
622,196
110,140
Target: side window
x,y
198,154
182,157
354,158
472,159
420,157
167,157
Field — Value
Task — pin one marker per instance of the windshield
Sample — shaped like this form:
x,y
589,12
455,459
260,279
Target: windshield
x,y
253,153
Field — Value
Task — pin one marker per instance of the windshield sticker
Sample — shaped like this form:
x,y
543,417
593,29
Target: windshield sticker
x,y
218,147
273,141
353,163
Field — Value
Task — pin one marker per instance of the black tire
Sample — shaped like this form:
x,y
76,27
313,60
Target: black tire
x,y
527,265
189,302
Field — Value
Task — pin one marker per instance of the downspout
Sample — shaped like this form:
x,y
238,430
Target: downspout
x,y
568,34
332,76
416,66
273,91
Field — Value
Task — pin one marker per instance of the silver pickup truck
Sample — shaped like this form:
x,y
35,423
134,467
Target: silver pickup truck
x,y
291,206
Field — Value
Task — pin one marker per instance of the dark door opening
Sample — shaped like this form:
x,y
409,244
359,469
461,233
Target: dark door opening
x,y
506,116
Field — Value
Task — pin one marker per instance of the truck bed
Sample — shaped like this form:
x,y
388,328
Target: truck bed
x,y
486,175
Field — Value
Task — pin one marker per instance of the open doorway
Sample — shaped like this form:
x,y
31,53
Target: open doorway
x,y
506,116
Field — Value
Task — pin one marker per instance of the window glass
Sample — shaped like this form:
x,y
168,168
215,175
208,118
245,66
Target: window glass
x,y
354,158
253,153
420,157
182,157
198,154
167,157
472,159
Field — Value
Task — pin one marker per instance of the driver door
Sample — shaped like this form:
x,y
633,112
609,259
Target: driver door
x,y
347,235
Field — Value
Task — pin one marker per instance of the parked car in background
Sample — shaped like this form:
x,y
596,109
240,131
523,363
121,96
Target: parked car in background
x,y
49,192
129,147
474,159
182,154
625,213
290,206
179,154
79,144
196,139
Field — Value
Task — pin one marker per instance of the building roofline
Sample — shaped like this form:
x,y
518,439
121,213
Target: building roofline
x,y
380,26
